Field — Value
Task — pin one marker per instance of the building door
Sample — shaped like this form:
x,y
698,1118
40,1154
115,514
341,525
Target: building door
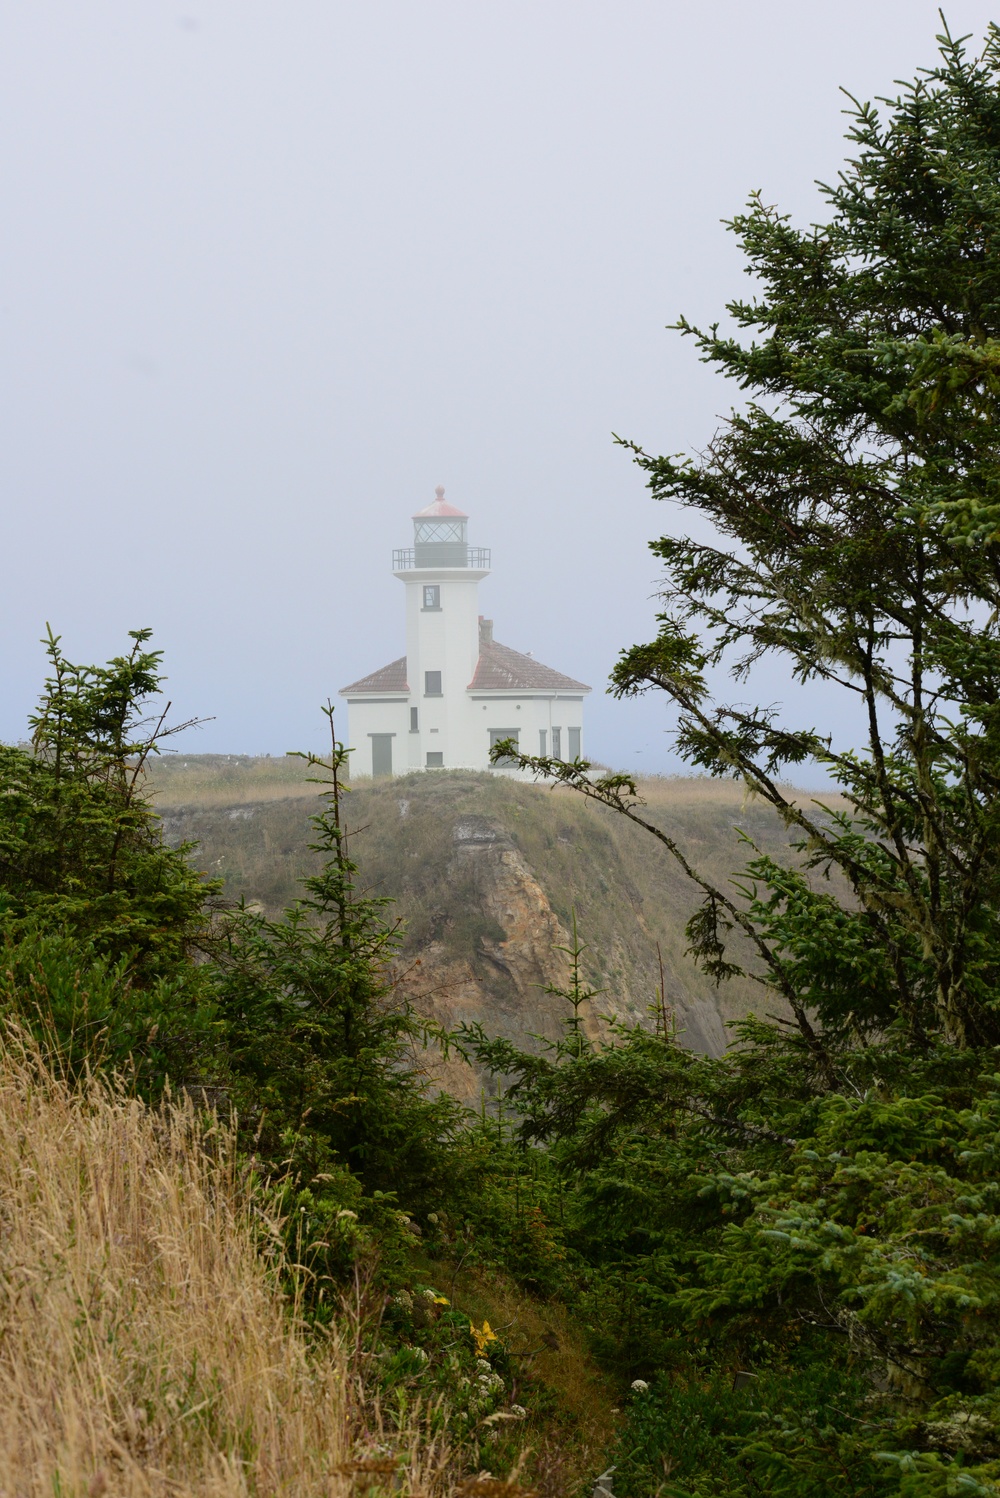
x,y
381,753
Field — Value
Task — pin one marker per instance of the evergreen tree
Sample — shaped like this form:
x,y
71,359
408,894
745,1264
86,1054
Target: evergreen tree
x,y
321,1047
803,1232
855,506
101,921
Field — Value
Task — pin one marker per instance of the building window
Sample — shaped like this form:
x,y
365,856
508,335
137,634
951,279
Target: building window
x,y
432,683
542,742
557,743
574,743
414,720
381,753
497,735
432,597
435,760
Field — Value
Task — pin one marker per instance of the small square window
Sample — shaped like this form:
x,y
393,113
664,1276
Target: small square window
x,y
432,683
414,720
435,760
432,596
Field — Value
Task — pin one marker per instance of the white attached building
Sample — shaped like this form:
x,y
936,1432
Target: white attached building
x,y
456,691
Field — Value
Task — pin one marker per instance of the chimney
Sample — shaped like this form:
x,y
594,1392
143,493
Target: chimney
x,y
485,632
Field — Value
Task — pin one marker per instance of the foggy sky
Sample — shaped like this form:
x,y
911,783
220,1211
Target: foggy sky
x,y
271,272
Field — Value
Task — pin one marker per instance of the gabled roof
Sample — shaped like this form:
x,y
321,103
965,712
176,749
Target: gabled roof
x,y
390,678
501,669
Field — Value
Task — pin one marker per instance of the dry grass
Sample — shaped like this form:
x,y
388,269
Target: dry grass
x,y
209,780
146,1349
214,780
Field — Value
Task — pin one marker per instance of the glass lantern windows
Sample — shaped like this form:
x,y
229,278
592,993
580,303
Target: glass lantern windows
x,y
439,530
440,542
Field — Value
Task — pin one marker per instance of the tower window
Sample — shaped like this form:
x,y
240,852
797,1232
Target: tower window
x,y
432,598
432,683
542,741
414,720
574,742
435,760
557,743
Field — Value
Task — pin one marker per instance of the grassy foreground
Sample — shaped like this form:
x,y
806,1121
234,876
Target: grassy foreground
x,y
147,1348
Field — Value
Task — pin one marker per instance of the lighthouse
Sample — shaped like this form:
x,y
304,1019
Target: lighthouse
x,y
457,691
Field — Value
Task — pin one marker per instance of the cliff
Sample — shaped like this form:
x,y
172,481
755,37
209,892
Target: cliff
x,y
486,873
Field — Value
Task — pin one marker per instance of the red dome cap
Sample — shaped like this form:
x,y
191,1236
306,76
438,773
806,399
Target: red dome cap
x,y
439,510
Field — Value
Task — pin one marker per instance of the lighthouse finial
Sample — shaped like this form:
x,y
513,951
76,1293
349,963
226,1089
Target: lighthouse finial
x,y
439,491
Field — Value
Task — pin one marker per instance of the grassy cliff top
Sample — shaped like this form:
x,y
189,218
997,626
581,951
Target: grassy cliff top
x,y
250,818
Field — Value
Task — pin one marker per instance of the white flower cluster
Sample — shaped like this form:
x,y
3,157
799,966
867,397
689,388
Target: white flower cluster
x,y
639,1386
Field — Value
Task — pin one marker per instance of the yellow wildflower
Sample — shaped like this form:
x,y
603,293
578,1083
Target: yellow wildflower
x,y
482,1336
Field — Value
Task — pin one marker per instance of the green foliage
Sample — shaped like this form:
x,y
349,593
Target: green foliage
x,y
88,1012
815,1217
855,504
80,846
319,1047
798,1431
99,919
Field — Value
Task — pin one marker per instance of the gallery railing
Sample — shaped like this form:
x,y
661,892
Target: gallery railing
x,y
440,554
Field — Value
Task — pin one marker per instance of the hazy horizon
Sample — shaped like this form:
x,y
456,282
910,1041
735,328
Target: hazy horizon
x,y
273,275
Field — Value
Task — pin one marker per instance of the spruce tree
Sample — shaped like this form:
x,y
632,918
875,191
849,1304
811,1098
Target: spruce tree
x,y
854,510
322,1050
102,924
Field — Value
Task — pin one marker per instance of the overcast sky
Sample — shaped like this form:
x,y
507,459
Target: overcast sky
x,y
271,272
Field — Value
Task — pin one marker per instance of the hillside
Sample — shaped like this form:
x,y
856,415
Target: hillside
x,y
485,873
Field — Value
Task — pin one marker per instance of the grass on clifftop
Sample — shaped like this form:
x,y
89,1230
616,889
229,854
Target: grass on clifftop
x,y
250,818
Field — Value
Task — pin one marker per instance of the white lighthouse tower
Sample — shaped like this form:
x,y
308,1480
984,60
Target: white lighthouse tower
x,y
456,692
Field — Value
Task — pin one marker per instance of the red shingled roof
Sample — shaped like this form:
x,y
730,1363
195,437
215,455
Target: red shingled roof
x,y
501,669
390,678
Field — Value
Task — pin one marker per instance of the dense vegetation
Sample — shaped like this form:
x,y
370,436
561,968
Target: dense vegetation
x,y
786,1259
819,1210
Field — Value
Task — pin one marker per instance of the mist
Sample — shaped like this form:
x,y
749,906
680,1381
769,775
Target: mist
x,y
271,273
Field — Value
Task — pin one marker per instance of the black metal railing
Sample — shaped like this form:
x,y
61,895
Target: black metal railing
x,y
440,554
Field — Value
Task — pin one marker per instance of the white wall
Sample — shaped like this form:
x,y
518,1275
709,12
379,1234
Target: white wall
x,y
457,723
447,642
529,713
381,716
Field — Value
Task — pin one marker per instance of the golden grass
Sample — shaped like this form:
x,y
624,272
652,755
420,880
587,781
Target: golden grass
x,y
208,780
215,780
145,1348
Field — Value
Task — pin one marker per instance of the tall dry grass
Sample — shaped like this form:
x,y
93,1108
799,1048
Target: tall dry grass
x,y
145,1346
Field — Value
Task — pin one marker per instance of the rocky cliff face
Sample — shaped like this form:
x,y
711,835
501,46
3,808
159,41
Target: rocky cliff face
x,y
486,875
504,982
